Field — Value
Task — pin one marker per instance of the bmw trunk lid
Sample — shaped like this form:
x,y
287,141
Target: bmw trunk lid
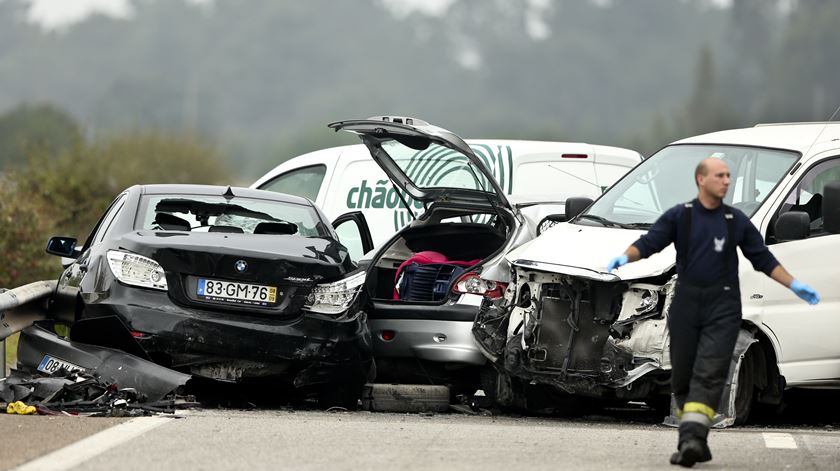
x,y
428,163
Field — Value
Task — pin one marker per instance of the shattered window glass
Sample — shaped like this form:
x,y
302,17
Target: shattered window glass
x,y
233,215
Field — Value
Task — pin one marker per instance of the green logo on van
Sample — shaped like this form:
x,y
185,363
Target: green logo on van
x,y
378,196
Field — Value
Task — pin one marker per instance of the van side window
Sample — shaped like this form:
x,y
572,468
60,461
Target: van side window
x,y
808,194
305,182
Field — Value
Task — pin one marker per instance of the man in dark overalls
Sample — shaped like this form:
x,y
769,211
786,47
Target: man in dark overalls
x,y
705,315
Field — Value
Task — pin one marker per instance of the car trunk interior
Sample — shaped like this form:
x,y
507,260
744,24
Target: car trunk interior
x,y
458,242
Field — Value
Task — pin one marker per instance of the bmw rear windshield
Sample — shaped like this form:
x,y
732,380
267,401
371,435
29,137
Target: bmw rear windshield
x,y
202,213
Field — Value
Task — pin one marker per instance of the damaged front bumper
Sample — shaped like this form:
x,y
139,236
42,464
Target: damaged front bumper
x,y
594,336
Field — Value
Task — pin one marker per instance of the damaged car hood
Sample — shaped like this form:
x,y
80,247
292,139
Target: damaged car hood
x,y
586,250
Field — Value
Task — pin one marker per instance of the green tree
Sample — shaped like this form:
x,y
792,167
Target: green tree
x,y
706,110
802,78
65,193
35,126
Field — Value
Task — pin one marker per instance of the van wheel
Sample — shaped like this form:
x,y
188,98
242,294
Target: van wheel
x,y
745,395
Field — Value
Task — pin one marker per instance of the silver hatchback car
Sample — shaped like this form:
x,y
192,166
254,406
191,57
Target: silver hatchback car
x,y
425,285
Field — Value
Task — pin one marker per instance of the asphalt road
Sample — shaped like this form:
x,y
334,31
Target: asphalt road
x,y
287,439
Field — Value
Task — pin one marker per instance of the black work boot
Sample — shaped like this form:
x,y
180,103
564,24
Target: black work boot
x,y
693,450
693,447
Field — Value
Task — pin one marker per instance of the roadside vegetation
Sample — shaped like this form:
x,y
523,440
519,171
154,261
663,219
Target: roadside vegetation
x,y
60,187
54,181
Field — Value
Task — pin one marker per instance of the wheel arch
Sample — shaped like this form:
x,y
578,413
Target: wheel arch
x,y
769,382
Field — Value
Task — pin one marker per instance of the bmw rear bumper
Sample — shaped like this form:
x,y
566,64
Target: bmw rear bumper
x,y
307,348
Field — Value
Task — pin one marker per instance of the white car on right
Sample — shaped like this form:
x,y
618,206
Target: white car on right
x,y
567,323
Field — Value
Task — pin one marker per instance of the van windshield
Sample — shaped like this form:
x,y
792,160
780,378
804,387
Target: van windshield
x,y
667,179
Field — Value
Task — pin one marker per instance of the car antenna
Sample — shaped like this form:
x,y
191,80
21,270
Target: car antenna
x,y
228,193
574,176
830,119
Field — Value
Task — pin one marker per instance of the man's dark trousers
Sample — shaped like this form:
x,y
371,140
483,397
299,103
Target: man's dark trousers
x,y
704,324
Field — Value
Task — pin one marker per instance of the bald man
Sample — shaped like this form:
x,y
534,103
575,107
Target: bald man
x,y
705,314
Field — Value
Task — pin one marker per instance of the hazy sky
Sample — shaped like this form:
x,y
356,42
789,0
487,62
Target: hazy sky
x,y
53,14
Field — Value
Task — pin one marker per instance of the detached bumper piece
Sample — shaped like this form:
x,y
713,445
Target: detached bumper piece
x,y
59,375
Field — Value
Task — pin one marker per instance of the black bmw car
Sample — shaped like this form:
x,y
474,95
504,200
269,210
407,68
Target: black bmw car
x,y
219,282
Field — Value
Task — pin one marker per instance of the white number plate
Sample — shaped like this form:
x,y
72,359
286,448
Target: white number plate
x,y
50,365
238,293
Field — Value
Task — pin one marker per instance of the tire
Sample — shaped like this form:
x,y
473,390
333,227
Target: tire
x,y
745,395
661,405
344,395
378,397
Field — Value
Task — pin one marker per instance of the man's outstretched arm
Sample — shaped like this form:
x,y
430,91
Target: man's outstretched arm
x,y
801,289
632,254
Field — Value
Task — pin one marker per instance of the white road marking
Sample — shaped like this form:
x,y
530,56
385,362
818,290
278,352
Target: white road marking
x,y
77,453
779,440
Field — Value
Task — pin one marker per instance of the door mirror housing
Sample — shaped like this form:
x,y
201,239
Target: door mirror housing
x,y
63,247
793,225
831,207
576,205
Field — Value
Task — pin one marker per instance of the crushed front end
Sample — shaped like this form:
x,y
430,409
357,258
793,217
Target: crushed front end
x,y
583,332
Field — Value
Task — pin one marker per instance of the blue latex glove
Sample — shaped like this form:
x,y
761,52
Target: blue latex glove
x,y
805,292
617,262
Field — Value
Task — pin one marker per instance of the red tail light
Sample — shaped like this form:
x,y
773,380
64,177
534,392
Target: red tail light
x,y
575,156
471,283
387,335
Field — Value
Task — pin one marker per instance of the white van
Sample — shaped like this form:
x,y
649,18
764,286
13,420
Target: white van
x,y
346,179
567,323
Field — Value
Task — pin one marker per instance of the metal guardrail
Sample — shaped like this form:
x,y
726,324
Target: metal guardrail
x,y
12,299
3,349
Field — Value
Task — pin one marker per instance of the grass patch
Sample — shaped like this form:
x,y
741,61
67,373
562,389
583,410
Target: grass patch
x,y
11,352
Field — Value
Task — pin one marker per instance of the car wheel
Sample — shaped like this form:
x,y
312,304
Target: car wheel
x,y
745,394
344,395
661,405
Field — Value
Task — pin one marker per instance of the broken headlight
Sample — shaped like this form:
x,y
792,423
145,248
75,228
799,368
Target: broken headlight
x,y
649,302
136,270
335,298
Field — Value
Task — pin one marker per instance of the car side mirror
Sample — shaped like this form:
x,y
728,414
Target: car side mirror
x,y
550,221
831,207
793,225
576,205
63,247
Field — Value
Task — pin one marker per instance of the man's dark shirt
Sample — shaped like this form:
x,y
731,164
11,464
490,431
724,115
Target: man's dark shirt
x,y
704,263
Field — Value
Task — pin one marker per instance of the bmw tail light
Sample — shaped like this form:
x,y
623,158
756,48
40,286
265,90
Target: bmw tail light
x,y
335,298
136,270
471,283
